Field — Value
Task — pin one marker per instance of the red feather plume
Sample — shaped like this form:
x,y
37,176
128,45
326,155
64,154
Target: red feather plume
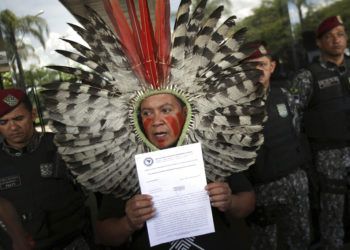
x,y
124,33
148,44
148,52
162,35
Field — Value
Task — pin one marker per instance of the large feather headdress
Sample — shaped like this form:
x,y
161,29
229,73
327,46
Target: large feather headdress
x,y
95,117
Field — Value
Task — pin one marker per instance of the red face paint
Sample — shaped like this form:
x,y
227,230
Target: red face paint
x,y
175,123
147,122
163,120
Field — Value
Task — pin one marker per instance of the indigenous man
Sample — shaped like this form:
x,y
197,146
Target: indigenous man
x,y
163,117
149,91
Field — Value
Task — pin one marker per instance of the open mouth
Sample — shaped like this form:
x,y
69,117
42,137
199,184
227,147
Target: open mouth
x,y
160,135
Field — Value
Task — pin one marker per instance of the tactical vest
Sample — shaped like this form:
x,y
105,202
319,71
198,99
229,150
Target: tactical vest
x,y
50,205
328,115
280,154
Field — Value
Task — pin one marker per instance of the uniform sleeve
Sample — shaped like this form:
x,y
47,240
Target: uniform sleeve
x,y
302,89
239,183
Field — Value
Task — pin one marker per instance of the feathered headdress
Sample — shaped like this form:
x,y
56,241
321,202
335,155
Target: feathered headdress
x,y
96,117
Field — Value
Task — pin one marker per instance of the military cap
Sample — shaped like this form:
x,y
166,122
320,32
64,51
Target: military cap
x,y
260,49
328,24
10,99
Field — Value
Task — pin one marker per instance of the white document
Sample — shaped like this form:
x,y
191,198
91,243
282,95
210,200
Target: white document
x,y
175,177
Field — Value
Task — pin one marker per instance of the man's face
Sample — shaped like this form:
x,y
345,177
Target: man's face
x,y
162,118
267,66
333,43
17,126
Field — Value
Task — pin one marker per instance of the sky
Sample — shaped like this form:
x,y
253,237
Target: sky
x,y
57,18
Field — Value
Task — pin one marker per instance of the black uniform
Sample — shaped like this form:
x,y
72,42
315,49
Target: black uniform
x,y
327,119
38,185
282,207
323,94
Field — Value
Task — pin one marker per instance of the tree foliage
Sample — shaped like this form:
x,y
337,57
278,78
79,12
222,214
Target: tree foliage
x,y
341,8
270,22
13,29
37,76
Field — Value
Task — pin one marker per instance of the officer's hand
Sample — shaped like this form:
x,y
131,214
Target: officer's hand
x,y
138,210
220,195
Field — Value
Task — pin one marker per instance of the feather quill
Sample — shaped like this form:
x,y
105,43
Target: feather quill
x,y
162,36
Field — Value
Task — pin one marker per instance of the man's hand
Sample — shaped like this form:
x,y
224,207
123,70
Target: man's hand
x,y
138,210
220,195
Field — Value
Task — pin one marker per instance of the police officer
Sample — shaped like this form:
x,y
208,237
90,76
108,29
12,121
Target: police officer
x,y
281,217
323,92
32,178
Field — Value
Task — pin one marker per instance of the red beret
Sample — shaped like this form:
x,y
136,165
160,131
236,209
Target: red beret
x,y
260,50
328,24
10,99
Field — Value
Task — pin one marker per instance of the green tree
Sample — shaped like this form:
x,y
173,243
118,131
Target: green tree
x,y
40,75
13,29
341,8
269,22
300,4
6,80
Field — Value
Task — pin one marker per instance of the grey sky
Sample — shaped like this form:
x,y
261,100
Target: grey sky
x,y
57,17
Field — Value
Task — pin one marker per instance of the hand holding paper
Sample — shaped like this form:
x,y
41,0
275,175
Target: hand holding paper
x,y
138,210
220,195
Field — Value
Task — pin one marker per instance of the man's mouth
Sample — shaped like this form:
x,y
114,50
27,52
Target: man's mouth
x,y
160,135
337,47
16,135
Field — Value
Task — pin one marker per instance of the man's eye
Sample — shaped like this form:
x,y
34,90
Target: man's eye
x,y
145,113
166,110
3,122
18,118
262,64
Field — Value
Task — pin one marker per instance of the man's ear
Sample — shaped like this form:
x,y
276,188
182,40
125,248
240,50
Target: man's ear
x,y
318,42
273,66
34,114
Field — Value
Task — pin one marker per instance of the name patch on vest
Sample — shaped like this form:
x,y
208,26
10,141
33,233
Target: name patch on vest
x,y
9,182
329,82
282,110
46,170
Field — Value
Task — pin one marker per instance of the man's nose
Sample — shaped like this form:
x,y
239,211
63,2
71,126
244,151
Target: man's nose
x,y
13,124
158,119
336,39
